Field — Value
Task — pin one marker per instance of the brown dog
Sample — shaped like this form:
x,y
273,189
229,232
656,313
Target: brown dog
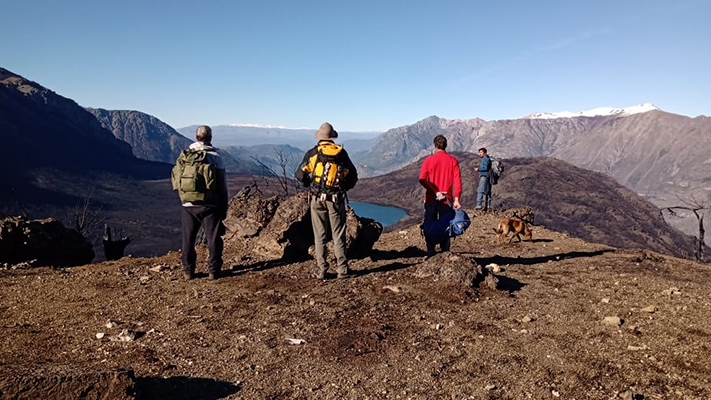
x,y
513,225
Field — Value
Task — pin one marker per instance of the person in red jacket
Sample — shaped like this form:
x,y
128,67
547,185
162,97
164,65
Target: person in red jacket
x,y
443,183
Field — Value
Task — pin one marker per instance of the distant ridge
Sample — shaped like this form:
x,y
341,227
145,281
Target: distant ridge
x,y
47,131
596,112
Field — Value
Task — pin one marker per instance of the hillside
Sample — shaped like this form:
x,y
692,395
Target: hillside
x,y
151,138
51,135
392,331
565,198
656,154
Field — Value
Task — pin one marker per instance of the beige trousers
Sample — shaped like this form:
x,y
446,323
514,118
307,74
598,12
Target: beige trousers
x,y
327,215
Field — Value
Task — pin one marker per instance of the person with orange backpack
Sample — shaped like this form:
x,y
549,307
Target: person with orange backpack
x,y
329,173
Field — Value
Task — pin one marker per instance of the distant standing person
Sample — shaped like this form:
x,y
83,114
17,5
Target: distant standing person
x,y
328,172
201,181
443,183
483,196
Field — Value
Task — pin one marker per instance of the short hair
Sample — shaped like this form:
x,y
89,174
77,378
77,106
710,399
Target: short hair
x,y
440,142
203,134
483,149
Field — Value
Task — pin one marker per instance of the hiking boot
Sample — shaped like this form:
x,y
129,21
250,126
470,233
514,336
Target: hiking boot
x,y
321,274
188,275
477,208
214,275
343,274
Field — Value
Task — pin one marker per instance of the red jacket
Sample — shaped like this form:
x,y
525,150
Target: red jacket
x,y
442,170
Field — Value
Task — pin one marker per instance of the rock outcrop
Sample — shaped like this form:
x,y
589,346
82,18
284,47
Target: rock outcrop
x,y
61,384
281,228
44,242
453,269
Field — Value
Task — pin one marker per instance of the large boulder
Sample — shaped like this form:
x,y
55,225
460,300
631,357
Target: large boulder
x,y
452,269
247,216
279,228
42,242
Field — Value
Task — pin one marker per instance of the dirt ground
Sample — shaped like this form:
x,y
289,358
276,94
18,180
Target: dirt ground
x,y
383,334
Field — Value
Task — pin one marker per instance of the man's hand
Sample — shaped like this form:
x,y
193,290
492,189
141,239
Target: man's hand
x,y
441,195
456,203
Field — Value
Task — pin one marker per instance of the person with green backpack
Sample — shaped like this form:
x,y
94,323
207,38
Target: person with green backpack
x,y
201,181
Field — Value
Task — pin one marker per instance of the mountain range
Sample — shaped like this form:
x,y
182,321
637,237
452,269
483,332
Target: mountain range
x,y
659,155
585,204
48,134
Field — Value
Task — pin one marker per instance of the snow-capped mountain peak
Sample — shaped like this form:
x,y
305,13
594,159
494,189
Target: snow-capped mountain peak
x,y
600,111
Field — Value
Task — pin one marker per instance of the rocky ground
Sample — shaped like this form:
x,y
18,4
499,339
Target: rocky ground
x,y
569,320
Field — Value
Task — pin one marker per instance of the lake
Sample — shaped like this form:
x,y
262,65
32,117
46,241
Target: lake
x,y
386,215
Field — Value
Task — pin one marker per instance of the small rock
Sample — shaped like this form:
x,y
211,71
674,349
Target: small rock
x,y
524,331
295,341
126,335
649,309
626,395
636,348
493,267
403,232
393,288
614,321
605,300
439,327
100,335
555,394
671,291
144,279
110,324
490,386
312,302
527,318
157,268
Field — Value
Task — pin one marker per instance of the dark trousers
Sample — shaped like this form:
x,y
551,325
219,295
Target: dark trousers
x,y
434,210
209,217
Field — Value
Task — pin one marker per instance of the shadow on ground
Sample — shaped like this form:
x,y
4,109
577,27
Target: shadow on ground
x,y
183,388
501,260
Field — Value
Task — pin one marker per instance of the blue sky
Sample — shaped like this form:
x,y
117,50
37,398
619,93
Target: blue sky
x,y
362,65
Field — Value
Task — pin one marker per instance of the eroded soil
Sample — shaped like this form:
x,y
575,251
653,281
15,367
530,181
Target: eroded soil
x,y
540,335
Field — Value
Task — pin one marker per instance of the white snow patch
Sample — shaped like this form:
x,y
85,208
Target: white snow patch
x,y
264,126
600,111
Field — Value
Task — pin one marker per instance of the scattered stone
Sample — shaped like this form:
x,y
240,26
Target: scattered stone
x,y
490,386
636,348
613,321
605,300
626,395
439,327
100,335
392,288
159,268
493,267
110,324
527,318
126,335
144,279
524,331
403,232
650,309
295,341
671,291
555,394
312,302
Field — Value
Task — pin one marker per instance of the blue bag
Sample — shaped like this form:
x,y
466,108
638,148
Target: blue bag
x,y
459,223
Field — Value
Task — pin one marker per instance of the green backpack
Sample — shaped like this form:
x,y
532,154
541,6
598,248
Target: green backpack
x,y
193,177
